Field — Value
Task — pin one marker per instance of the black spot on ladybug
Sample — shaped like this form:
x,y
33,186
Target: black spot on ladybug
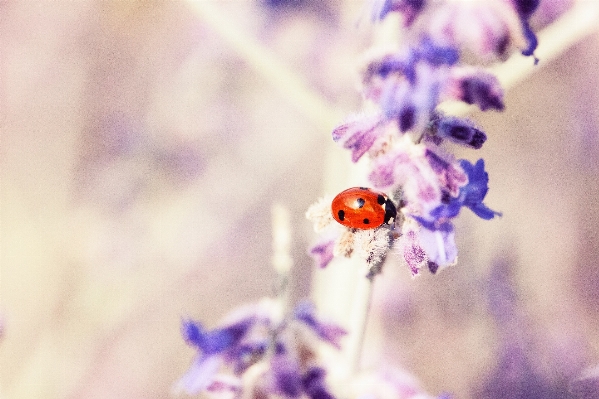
x,y
363,188
381,199
341,215
390,211
360,202
366,221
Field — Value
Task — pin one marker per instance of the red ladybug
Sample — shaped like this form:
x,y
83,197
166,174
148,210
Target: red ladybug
x,y
363,208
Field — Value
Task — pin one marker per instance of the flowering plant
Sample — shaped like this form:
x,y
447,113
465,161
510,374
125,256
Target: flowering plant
x,y
404,134
407,139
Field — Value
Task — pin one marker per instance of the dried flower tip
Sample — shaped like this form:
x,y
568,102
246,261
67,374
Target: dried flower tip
x,y
322,253
372,245
409,246
319,213
345,245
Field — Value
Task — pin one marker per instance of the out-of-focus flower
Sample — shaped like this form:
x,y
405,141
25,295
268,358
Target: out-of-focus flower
x,y
305,312
473,86
487,28
410,247
255,335
359,133
322,252
402,137
457,130
409,9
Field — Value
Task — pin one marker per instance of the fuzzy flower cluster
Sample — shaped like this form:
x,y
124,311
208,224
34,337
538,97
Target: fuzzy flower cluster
x,y
258,354
408,141
264,354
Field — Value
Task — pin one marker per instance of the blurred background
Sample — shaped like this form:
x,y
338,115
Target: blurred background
x,y
143,144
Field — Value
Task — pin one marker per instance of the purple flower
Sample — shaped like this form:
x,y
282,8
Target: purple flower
x,y
286,376
359,134
450,176
288,380
305,312
458,130
471,196
409,246
474,86
215,341
404,63
439,246
487,28
322,253
525,9
407,86
254,338
313,383
409,9
216,347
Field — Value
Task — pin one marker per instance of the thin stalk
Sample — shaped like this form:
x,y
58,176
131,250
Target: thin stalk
x,y
281,259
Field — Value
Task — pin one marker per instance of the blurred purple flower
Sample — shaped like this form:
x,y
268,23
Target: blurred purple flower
x,y
313,383
457,130
409,246
439,246
486,28
305,312
255,337
215,348
409,9
359,133
322,253
525,9
215,341
474,86
470,195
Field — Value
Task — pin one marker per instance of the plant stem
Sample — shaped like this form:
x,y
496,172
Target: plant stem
x,y
281,259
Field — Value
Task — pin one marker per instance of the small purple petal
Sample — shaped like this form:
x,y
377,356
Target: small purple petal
x,y
215,341
331,333
532,40
287,379
358,134
243,356
439,246
432,267
450,176
485,93
410,9
458,130
473,194
437,55
413,254
192,332
322,253
314,385
526,8
200,375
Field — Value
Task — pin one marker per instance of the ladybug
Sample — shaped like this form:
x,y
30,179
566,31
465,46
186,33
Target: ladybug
x,y
363,208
